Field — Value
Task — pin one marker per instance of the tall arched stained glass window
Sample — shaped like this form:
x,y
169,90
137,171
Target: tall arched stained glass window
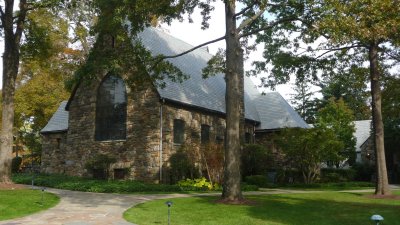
x,y
111,109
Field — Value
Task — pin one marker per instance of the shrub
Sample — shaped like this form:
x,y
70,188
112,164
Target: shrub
x,y
259,180
363,171
99,165
255,160
213,155
337,175
201,183
182,165
249,187
128,186
16,164
288,176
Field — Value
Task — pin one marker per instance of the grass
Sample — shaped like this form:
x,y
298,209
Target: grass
x,y
323,208
18,203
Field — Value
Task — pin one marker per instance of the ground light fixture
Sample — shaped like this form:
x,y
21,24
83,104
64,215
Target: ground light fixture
x,y
169,204
42,199
376,218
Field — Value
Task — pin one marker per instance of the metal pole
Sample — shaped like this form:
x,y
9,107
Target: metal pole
x,y
169,215
42,196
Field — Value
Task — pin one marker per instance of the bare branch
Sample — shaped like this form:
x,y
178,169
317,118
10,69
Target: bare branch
x,y
269,26
194,48
337,49
162,57
20,21
251,19
245,9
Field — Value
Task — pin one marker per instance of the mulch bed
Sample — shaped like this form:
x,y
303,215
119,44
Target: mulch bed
x,y
11,186
393,197
237,202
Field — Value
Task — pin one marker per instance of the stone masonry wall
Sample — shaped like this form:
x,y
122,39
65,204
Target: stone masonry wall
x,y
267,139
53,146
139,154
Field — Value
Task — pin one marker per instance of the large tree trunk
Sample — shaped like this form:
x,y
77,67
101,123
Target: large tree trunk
x,y
382,184
234,99
10,71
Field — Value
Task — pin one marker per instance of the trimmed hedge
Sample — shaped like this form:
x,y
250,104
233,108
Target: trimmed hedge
x,y
258,180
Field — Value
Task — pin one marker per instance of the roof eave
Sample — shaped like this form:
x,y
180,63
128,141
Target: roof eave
x,y
53,131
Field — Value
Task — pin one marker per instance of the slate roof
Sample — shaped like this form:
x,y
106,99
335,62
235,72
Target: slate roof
x,y
196,91
59,121
362,133
271,111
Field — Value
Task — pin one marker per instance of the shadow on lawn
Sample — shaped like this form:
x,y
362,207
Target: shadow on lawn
x,y
349,209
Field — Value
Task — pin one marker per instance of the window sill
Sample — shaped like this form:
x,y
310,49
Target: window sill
x,y
109,141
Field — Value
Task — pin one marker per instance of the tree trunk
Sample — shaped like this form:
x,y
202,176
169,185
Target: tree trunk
x,y
233,76
10,71
382,184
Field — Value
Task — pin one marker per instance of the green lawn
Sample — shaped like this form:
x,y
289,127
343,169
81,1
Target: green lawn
x,y
325,208
18,203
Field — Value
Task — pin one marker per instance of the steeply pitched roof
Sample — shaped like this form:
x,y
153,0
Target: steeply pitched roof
x,y
271,111
205,93
59,121
362,133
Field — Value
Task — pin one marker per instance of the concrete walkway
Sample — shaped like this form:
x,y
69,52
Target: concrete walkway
x,y
84,208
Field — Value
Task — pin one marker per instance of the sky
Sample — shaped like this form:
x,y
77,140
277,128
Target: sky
x,y
194,35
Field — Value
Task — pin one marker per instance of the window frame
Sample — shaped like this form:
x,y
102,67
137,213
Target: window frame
x,y
111,115
205,134
179,131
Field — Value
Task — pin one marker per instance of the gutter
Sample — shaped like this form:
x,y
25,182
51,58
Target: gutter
x,y
161,138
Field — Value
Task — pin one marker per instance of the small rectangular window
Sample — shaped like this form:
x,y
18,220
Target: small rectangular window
x,y
179,131
247,138
58,143
205,134
120,174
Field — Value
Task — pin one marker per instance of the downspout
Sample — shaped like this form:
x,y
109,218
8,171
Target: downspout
x,y
161,138
254,133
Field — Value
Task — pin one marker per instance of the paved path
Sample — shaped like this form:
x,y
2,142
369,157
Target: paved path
x,y
83,208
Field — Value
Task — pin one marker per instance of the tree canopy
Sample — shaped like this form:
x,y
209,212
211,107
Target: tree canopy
x,y
305,149
330,37
338,117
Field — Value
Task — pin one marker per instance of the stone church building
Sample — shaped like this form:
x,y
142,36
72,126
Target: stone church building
x,y
142,127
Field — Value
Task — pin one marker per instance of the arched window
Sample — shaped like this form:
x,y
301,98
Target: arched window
x,y
111,110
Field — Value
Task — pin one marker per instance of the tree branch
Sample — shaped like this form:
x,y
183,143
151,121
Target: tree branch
x,y
194,48
245,9
269,26
337,49
20,21
250,20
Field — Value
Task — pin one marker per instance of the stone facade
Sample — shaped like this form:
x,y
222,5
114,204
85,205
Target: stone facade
x,y
266,138
144,141
140,155
368,152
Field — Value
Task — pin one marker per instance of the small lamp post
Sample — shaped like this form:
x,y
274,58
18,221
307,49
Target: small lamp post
x,y
42,201
169,204
376,218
